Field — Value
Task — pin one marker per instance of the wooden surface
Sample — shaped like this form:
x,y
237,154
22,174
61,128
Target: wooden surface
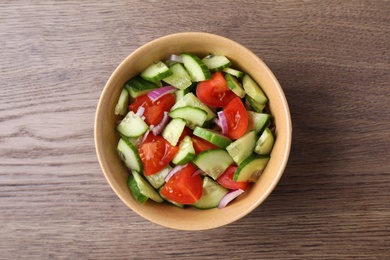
x,y
332,59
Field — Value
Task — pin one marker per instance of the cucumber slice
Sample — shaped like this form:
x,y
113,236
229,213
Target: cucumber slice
x,y
145,188
170,201
157,179
258,121
211,195
133,186
132,125
212,136
234,72
129,154
123,103
251,168
191,100
180,78
242,147
192,115
255,105
213,162
265,142
196,68
156,72
253,90
138,86
216,62
173,130
186,152
234,85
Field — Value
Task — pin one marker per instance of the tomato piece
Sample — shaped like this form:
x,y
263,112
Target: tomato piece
x,y
237,118
202,145
154,110
215,91
183,187
156,153
226,180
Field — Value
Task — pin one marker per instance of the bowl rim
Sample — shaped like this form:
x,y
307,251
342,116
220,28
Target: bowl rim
x,y
275,82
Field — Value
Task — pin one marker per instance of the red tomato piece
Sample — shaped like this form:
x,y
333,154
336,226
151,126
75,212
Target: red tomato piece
x,y
183,187
186,131
201,145
154,110
215,91
226,180
156,153
237,118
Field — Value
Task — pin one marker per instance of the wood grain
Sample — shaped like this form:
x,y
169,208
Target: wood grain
x,y
332,59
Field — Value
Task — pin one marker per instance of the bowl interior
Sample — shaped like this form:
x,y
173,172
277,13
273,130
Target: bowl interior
x,y
106,138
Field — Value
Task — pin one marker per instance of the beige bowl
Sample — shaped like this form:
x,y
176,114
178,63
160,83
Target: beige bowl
x,y
106,138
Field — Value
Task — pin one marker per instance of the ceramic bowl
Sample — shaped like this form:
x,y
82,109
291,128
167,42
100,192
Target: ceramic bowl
x,y
106,138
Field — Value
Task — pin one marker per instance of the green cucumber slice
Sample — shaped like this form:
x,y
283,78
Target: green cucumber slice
x,y
265,142
213,162
196,68
253,90
156,72
180,78
242,147
157,179
134,189
145,188
212,136
138,86
123,103
234,72
191,100
129,154
258,121
255,105
186,152
192,115
234,85
173,130
132,125
216,62
251,168
211,195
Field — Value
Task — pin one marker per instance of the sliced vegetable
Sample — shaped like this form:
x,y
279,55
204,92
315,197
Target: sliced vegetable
x,y
237,118
229,197
212,136
226,180
186,152
144,187
211,195
138,86
206,161
216,62
123,103
190,100
196,68
201,145
251,168
157,93
192,115
156,153
129,154
180,79
173,130
253,90
154,110
156,71
183,187
265,142
132,125
240,149
215,92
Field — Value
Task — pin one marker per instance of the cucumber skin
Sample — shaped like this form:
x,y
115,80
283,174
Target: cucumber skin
x,y
200,161
242,173
204,69
136,155
212,137
213,192
133,187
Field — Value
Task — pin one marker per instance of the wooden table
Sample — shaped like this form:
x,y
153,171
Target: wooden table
x,y
332,59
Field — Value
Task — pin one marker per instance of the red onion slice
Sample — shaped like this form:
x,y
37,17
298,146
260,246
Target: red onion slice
x,y
177,58
198,171
140,111
176,169
217,122
223,122
231,195
160,127
157,93
144,137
